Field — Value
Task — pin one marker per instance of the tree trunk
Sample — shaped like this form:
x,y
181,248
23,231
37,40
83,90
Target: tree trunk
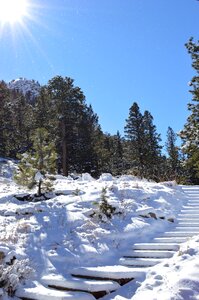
x,y
64,151
39,188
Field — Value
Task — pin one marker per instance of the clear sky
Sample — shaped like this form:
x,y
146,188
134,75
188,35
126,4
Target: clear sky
x,y
117,51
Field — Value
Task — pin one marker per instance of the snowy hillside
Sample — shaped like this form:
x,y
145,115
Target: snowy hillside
x,y
30,88
44,243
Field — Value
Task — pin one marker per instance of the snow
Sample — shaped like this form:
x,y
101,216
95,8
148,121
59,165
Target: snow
x,y
62,236
76,283
176,278
49,294
115,272
38,177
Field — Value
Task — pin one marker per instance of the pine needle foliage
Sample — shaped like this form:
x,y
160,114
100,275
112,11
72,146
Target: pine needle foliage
x,y
190,133
35,166
105,208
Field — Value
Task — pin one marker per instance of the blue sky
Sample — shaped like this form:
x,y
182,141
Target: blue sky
x,y
117,51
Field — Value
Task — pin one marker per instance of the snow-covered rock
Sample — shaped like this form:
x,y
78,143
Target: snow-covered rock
x,y
106,177
30,88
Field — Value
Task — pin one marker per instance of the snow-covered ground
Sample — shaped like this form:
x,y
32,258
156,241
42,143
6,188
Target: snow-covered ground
x,y
51,238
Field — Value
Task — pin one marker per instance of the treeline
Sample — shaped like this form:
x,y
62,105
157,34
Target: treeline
x,y
61,121
60,114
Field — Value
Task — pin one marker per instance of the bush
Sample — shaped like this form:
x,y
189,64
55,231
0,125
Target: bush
x,y
12,275
105,210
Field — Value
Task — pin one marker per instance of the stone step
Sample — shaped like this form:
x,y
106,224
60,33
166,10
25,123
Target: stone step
x,y
121,274
149,253
156,246
36,291
140,262
187,215
190,220
194,206
179,233
188,223
187,207
187,228
190,211
170,239
77,284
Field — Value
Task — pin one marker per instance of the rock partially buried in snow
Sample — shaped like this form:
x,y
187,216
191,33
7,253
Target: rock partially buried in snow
x,y
127,178
87,177
106,177
3,252
10,257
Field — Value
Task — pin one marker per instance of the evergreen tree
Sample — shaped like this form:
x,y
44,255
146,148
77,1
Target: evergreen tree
x,y
117,155
173,153
44,112
190,133
102,150
88,131
68,102
20,125
4,115
134,133
152,148
36,165
16,122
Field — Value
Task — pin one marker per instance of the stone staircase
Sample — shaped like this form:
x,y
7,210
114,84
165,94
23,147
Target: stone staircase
x,y
89,283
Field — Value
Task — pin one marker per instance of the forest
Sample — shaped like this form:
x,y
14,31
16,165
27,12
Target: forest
x,y
58,132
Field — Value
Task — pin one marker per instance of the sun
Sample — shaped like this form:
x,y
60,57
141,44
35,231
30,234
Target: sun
x,y
12,11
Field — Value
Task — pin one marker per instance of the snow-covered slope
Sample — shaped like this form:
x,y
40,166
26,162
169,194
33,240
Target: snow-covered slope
x,y
7,168
52,239
30,88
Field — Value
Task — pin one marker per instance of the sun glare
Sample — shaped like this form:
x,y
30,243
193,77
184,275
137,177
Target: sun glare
x,y
12,11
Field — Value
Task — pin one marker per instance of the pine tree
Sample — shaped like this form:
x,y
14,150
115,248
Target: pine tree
x,y
44,112
20,125
16,122
35,165
173,153
87,142
152,148
68,102
102,150
190,133
117,155
4,114
134,133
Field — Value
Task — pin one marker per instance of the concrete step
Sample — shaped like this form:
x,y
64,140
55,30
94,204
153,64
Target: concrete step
x,y
190,207
190,211
149,254
156,246
36,291
140,262
188,219
77,284
170,239
187,215
179,234
188,224
187,228
192,200
116,272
